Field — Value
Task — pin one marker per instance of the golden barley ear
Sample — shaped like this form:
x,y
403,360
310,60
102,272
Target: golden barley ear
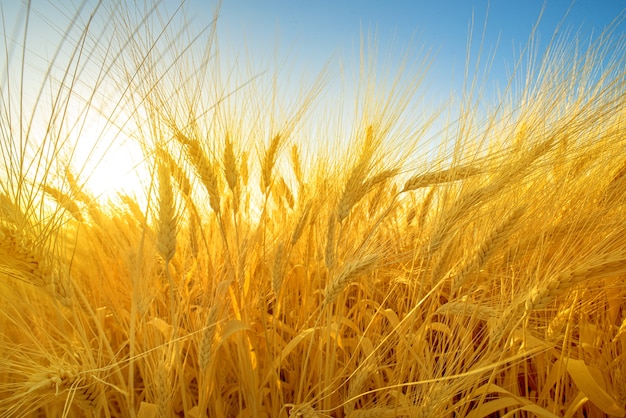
x,y
167,228
302,222
163,389
350,272
329,254
205,170
494,241
441,176
296,164
64,201
29,260
268,162
278,273
231,172
356,185
205,349
602,266
80,387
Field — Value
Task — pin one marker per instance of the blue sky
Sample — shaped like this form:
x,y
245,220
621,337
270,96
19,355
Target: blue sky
x,y
306,35
311,32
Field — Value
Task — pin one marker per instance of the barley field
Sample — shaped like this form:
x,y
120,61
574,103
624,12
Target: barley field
x,y
280,261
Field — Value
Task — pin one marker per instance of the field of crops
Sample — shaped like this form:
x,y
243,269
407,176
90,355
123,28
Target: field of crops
x,y
279,264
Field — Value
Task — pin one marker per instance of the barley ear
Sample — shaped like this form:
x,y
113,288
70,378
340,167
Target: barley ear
x,y
350,272
204,169
329,255
296,164
356,187
441,176
64,201
210,327
279,269
486,248
231,171
425,207
297,232
163,389
269,159
167,216
600,267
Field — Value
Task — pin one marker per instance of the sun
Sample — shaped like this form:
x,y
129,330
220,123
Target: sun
x,y
109,161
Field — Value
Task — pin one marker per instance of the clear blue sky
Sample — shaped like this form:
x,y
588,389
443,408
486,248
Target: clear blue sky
x,y
311,32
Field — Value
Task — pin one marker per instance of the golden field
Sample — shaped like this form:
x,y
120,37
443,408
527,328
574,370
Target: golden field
x,y
259,274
